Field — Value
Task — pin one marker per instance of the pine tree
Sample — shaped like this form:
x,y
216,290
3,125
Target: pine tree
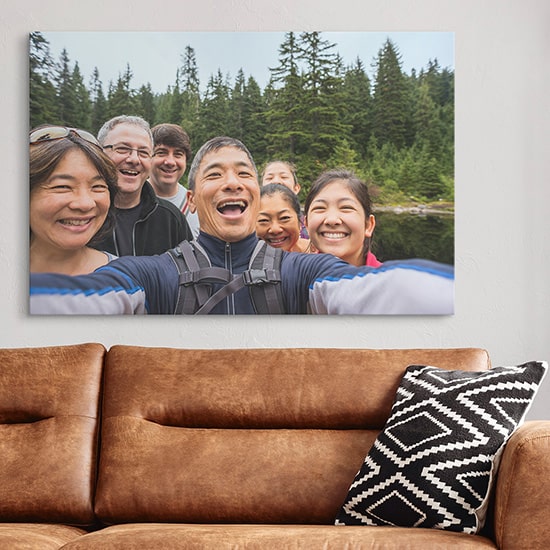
x,y
120,97
447,122
254,124
434,116
66,94
323,97
408,174
145,103
358,112
430,184
284,115
99,102
163,104
189,73
440,83
42,93
214,111
344,156
83,106
190,86
426,121
176,102
391,114
447,156
236,107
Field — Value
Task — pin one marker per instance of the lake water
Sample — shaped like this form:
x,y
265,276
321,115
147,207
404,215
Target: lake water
x,y
405,235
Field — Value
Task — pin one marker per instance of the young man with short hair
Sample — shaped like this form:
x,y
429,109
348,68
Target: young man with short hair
x,y
172,149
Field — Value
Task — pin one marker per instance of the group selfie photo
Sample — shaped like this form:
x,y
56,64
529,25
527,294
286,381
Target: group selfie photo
x,y
315,175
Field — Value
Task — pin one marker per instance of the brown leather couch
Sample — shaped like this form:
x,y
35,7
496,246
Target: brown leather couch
x,y
214,449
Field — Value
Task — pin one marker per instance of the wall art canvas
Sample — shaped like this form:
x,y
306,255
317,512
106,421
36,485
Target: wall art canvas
x,y
241,173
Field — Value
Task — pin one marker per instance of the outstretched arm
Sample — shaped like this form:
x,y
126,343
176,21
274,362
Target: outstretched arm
x,y
127,286
323,285
105,293
411,287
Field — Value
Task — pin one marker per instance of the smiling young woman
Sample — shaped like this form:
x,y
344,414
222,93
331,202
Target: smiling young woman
x,y
339,219
72,189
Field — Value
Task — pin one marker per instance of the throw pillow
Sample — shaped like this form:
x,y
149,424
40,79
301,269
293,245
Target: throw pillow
x,y
433,463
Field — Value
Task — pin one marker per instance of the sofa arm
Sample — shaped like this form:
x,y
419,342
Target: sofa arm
x,y
522,498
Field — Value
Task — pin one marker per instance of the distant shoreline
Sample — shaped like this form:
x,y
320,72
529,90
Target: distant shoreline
x,y
420,209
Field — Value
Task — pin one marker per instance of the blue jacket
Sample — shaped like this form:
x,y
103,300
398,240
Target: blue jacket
x,y
311,283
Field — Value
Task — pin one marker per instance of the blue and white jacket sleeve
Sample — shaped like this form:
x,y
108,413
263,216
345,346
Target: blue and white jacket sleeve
x,y
408,287
127,286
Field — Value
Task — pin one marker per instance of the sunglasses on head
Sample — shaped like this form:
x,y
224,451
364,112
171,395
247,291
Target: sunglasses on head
x,y
51,133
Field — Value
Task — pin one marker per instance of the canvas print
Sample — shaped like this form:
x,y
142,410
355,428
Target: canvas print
x,y
233,173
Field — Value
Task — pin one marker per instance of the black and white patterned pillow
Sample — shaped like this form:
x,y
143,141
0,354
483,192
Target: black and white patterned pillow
x,y
433,463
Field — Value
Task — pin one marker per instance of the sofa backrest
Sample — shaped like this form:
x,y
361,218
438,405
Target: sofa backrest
x,y
249,436
49,405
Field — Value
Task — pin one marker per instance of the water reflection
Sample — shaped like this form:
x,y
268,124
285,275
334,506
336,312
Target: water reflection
x,y
405,235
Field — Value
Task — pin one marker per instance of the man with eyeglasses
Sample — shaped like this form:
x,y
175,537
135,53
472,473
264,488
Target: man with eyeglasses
x,y
145,224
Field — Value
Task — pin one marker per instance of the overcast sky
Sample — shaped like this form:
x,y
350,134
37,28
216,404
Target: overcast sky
x,y
155,56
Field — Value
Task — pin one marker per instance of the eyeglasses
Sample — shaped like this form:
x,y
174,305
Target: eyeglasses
x,y
125,151
51,133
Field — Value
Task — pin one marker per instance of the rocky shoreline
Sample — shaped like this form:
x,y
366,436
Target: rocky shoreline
x,y
419,209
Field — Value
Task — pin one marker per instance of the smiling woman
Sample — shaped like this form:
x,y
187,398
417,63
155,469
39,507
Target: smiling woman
x,y
72,189
339,219
279,219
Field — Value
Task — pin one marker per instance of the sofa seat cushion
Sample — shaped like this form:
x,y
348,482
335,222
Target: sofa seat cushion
x,y
39,536
152,473
265,537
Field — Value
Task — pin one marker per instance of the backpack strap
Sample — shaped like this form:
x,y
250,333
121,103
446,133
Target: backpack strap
x,y
196,276
263,279
230,288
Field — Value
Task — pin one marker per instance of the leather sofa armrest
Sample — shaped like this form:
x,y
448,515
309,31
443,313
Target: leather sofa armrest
x,y
522,497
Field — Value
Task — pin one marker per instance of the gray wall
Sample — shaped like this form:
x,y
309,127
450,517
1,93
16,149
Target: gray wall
x,y
502,176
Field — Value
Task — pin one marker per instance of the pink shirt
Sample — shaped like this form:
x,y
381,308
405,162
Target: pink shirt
x,y
372,260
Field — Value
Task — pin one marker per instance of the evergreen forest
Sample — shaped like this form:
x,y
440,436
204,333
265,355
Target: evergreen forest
x,y
396,130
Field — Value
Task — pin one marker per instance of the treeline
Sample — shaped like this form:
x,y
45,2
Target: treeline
x,y
396,131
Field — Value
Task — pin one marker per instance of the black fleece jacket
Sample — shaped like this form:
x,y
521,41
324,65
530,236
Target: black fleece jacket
x,y
160,226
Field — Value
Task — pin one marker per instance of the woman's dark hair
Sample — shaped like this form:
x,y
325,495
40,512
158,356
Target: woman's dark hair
x,y
289,197
45,155
355,185
290,165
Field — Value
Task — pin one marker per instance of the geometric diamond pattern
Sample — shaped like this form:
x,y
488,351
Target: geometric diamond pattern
x,y
434,462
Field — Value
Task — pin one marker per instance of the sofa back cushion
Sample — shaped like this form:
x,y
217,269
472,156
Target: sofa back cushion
x,y
251,436
49,405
